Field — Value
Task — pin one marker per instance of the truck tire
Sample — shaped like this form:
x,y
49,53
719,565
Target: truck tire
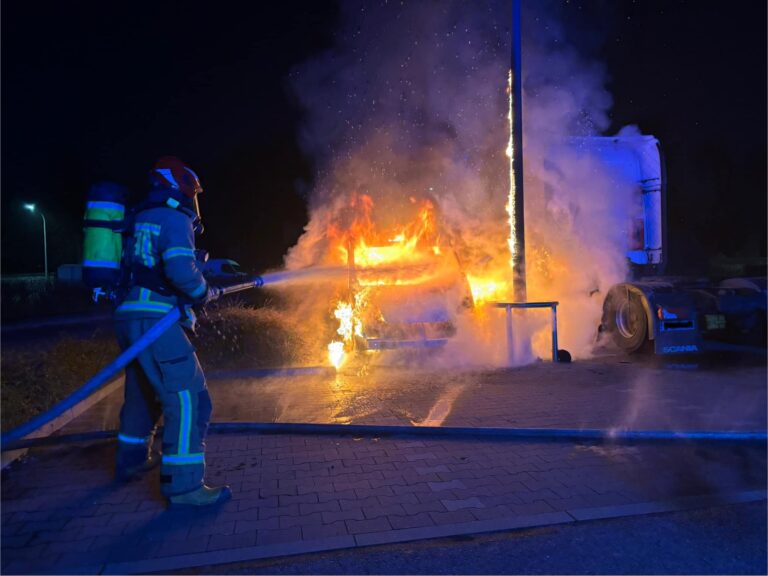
x,y
626,321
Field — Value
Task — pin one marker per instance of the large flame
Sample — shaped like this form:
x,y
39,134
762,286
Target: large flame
x,y
406,255
350,326
487,289
364,246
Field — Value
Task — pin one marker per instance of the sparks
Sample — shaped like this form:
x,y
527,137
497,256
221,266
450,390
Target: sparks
x,y
512,190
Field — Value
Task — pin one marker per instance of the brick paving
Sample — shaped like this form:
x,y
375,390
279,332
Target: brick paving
x,y
62,512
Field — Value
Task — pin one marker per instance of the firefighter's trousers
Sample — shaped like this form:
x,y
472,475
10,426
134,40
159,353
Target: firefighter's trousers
x,y
166,378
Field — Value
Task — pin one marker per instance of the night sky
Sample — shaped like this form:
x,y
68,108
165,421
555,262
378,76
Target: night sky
x,y
97,90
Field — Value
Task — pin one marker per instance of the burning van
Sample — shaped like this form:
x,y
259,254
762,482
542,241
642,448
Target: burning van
x,y
405,284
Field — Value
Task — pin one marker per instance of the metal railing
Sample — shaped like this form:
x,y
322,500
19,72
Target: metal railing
x,y
510,305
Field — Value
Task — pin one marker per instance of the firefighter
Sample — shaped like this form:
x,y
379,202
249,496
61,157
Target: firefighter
x,y
166,378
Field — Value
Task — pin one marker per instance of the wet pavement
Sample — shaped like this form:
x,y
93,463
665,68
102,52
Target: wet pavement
x,y
296,493
724,393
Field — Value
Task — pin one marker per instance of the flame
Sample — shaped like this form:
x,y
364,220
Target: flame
x,y
492,287
406,254
349,324
336,354
362,246
487,289
409,253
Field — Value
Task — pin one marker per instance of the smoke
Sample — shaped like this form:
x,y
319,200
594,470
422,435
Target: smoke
x,y
411,102
577,209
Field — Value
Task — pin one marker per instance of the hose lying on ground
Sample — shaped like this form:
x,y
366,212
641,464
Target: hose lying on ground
x,y
541,434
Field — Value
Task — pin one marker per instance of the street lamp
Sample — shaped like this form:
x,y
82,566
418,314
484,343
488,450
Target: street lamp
x,y
32,208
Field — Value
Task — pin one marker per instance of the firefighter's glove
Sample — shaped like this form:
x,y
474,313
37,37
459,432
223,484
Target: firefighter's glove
x,y
211,294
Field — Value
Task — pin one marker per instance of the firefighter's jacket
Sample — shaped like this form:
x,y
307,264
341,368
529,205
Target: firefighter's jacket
x,y
163,240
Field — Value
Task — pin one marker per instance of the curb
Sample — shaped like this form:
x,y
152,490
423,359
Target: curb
x,y
67,417
220,557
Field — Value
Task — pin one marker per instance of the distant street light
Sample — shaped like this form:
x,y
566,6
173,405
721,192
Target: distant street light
x,y
31,208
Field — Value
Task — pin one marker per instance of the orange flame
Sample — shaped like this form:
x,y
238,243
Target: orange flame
x,y
406,254
362,245
487,289
350,326
336,354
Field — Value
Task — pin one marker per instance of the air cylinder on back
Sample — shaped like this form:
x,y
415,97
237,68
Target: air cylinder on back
x,y
103,225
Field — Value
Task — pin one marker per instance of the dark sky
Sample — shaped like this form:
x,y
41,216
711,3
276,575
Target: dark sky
x,y
100,90
96,90
693,73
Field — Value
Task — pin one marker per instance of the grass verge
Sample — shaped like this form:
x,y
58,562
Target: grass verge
x,y
228,337
31,382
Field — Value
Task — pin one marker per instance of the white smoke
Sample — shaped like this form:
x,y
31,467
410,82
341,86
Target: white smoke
x,y
411,101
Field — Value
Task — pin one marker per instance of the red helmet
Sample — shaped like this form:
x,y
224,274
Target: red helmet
x,y
170,172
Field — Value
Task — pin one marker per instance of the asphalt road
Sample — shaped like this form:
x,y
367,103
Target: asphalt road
x,y
722,540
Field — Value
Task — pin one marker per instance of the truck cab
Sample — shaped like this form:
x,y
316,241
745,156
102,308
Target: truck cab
x,y
666,314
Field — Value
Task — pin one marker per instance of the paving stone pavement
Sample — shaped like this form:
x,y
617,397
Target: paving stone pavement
x,y
62,512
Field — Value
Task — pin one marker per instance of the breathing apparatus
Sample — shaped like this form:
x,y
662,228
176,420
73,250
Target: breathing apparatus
x,y
108,223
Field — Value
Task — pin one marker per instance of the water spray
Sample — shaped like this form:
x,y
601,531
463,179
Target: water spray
x,y
313,273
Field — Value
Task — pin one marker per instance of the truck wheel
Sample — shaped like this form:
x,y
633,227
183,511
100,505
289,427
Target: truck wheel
x,y
626,321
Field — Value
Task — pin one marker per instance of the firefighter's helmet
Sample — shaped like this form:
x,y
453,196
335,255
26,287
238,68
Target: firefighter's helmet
x,y
170,172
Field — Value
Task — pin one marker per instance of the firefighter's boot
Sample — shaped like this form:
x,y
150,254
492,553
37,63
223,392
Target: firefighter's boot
x,y
127,473
203,496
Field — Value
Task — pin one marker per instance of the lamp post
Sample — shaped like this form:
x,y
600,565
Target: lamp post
x,y
32,208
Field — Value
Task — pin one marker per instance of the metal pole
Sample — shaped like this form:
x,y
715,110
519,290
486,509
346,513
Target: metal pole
x,y
45,246
510,342
517,155
554,333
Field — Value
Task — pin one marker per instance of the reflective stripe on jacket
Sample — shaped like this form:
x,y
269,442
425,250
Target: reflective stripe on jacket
x,y
163,237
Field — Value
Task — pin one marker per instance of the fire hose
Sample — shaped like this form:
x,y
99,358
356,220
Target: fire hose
x,y
119,363
15,438
531,434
